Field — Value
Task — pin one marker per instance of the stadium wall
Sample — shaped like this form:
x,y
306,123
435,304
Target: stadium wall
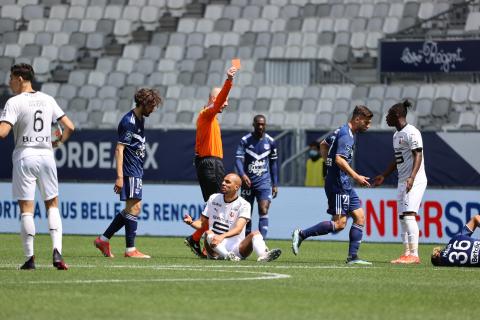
x,y
88,208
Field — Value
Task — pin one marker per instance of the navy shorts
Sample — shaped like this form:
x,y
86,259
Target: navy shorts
x,y
132,188
260,194
342,203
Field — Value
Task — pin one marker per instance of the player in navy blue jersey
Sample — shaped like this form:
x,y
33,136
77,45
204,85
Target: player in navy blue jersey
x,y
256,164
462,250
130,155
343,201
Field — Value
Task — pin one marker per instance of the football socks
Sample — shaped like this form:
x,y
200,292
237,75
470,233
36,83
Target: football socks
x,y
27,233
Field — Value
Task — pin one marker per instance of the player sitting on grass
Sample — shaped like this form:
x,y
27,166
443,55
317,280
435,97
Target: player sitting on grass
x,y
226,215
462,250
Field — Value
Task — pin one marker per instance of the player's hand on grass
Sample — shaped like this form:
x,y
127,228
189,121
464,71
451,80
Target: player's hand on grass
x,y
378,180
118,185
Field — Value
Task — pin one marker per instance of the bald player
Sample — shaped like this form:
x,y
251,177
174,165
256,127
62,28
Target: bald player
x,y
209,150
225,217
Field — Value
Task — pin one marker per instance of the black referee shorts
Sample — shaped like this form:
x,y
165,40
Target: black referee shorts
x,y
210,174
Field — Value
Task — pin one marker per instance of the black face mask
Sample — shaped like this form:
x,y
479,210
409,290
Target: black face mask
x,y
314,155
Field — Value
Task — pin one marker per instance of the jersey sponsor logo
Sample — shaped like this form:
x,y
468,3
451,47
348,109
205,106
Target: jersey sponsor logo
x,y
128,136
475,251
221,220
140,152
216,204
257,167
30,139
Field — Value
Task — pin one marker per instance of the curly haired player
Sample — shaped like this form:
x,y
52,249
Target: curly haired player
x,y
130,155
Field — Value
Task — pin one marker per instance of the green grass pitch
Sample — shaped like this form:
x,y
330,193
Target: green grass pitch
x,y
176,285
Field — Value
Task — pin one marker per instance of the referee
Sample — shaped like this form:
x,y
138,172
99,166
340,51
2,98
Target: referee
x,y
209,150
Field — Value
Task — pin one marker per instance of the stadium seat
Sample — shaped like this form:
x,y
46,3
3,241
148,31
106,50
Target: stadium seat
x,y
460,93
50,88
441,107
426,91
309,106
292,120
277,105
473,21
323,120
339,119
474,96
94,12
78,104
271,12
424,107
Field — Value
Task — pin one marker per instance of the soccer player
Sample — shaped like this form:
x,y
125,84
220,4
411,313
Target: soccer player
x,y
209,150
343,201
412,180
129,156
225,217
256,163
462,250
31,113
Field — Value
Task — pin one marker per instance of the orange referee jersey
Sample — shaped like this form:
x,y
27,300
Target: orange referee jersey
x,y
208,141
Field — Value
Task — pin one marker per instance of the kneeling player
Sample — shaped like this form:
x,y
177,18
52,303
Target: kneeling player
x,y
462,250
226,215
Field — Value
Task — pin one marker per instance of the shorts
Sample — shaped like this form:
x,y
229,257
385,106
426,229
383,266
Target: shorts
x,y
260,194
410,202
210,174
132,188
342,203
31,171
231,244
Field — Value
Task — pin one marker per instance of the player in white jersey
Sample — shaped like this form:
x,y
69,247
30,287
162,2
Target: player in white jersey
x,y
226,215
412,180
31,114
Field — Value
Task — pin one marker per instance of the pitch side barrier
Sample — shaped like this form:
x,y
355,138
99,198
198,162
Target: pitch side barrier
x,y
85,209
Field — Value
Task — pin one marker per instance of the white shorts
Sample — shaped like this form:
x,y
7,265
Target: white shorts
x,y
232,244
410,202
31,171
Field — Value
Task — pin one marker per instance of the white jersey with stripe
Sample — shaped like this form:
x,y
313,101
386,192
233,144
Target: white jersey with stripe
x,y
222,216
31,115
404,141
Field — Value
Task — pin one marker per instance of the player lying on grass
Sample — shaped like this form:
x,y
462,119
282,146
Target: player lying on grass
x,y
226,215
462,250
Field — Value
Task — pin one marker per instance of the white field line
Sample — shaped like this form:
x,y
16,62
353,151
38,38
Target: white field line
x,y
252,275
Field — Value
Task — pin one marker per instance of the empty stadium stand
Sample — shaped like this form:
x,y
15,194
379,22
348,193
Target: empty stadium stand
x,y
304,63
